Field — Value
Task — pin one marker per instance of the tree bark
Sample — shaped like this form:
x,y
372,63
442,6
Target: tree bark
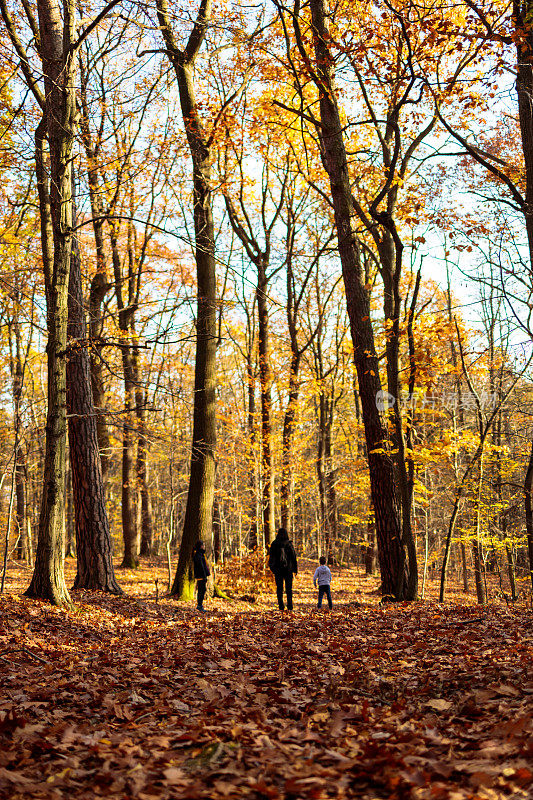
x,y
388,529
17,377
369,547
145,499
289,421
528,490
130,528
56,35
100,284
391,250
265,379
199,509
126,315
217,533
524,88
93,537
252,438
70,525
20,497
330,478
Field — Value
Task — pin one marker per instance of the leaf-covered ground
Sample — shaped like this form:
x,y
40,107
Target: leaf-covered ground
x,y
123,697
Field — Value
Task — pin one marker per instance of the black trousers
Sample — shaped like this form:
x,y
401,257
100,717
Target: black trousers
x,y
324,590
284,578
202,586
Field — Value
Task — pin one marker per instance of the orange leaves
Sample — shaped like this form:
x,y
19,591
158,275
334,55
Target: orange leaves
x,y
262,705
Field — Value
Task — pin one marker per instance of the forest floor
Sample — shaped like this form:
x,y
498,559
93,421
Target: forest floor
x,y
142,697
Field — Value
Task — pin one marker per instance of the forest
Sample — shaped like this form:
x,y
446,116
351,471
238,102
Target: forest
x,y
266,265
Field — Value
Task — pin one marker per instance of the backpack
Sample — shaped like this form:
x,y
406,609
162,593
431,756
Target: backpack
x,y
283,558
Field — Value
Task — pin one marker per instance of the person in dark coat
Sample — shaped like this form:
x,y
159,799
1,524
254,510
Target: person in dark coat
x,y
201,572
282,562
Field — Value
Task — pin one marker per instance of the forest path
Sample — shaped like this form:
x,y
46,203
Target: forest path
x,y
123,697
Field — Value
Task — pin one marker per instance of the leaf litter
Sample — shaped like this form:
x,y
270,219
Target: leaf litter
x,y
120,697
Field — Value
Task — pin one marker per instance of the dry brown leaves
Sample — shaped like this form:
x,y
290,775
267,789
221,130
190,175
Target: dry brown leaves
x,y
123,698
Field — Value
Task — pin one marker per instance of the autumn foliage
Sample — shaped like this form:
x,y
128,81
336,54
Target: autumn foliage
x,y
266,265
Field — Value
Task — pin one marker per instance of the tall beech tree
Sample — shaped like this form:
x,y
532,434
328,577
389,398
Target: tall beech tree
x,y
492,30
57,34
199,510
100,283
319,67
57,39
388,108
94,556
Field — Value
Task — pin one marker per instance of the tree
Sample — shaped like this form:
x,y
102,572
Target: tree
x,y
492,29
57,35
57,41
329,129
199,511
93,539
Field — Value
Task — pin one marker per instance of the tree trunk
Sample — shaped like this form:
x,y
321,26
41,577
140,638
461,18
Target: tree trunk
x,y
369,547
70,524
391,259
388,529
289,420
511,572
17,374
524,89
20,496
199,509
528,489
145,500
93,537
130,528
478,572
217,533
56,36
147,521
99,284
265,379
320,469
464,567
330,477
98,290
252,438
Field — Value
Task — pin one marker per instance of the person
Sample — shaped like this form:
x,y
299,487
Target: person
x,y
283,563
201,572
323,577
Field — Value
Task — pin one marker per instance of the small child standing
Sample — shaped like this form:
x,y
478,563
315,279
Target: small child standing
x,y
323,576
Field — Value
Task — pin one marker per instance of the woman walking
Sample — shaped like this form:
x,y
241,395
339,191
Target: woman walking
x,y
201,572
282,562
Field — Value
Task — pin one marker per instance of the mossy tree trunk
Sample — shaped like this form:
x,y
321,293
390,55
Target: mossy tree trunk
x,y
57,33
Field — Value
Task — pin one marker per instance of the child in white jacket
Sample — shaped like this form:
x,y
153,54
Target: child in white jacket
x,y
323,576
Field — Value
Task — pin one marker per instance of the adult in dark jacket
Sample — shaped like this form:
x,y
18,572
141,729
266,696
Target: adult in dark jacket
x,y
201,572
282,562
